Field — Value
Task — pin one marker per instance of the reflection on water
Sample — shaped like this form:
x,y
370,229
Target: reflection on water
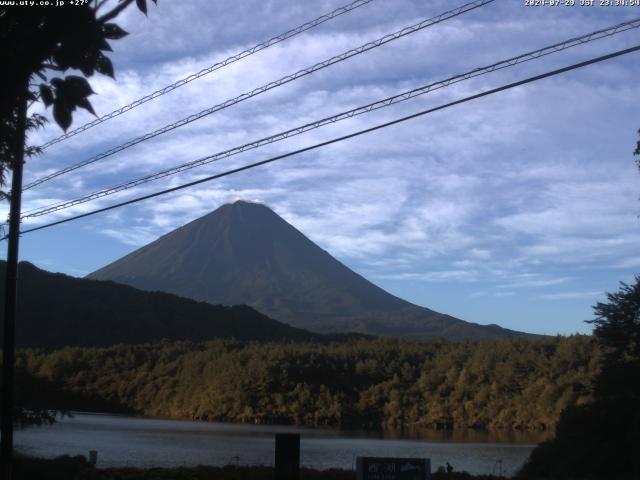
x,y
141,442
457,436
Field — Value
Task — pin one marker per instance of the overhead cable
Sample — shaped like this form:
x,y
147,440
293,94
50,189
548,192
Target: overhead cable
x,y
386,102
216,66
339,139
269,86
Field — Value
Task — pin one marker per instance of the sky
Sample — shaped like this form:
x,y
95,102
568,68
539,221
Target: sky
x,y
519,209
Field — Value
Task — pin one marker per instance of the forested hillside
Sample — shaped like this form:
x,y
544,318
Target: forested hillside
x,y
57,310
505,384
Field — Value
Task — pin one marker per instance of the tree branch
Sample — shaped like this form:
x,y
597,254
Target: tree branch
x,y
115,11
51,66
99,4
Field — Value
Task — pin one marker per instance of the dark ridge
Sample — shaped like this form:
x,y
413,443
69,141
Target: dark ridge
x,y
56,310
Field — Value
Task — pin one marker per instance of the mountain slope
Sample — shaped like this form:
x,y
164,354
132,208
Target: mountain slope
x,y
245,253
55,310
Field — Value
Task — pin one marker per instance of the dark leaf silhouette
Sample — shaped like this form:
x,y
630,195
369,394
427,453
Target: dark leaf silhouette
x,y
113,31
84,103
62,115
104,66
104,45
46,94
77,87
70,93
87,63
142,5
53,40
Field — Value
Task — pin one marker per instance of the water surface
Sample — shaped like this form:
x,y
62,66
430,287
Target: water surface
x,y
143,442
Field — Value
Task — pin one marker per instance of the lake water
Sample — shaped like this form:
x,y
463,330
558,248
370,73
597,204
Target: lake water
x,y
142,442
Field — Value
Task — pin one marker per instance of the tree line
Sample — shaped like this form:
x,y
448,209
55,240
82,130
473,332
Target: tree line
x,y
519,384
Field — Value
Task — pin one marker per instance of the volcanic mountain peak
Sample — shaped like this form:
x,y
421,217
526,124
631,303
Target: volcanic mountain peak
x,y
244,253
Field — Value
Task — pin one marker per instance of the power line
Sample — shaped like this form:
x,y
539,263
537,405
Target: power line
x,y
269,86
216,66
342,138
602,33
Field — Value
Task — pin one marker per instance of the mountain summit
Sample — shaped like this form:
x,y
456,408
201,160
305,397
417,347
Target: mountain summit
x,y
244,253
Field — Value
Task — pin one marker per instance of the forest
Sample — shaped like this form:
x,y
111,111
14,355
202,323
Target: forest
x,y
521,384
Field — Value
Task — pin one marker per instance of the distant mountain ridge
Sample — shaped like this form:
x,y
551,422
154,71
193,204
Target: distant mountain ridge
x,y
244,253
56,310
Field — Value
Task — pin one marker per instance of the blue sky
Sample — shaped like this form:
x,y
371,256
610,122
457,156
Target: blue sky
x,y
519,209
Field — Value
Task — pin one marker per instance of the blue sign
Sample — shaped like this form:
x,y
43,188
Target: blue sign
x,y
377,468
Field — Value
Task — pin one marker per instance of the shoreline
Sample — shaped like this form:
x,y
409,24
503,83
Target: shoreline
x,y
457,435
78,468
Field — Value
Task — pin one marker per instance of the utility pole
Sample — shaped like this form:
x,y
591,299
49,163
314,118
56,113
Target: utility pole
x,y
11,290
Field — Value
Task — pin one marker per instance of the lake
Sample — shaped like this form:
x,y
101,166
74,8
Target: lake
x,y
143,442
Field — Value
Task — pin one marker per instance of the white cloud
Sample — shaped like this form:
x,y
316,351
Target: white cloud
x,y
533,281
434,276
524,190
494,294
572,295
632,262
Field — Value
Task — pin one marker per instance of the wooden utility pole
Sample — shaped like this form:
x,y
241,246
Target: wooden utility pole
x,y
11,290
